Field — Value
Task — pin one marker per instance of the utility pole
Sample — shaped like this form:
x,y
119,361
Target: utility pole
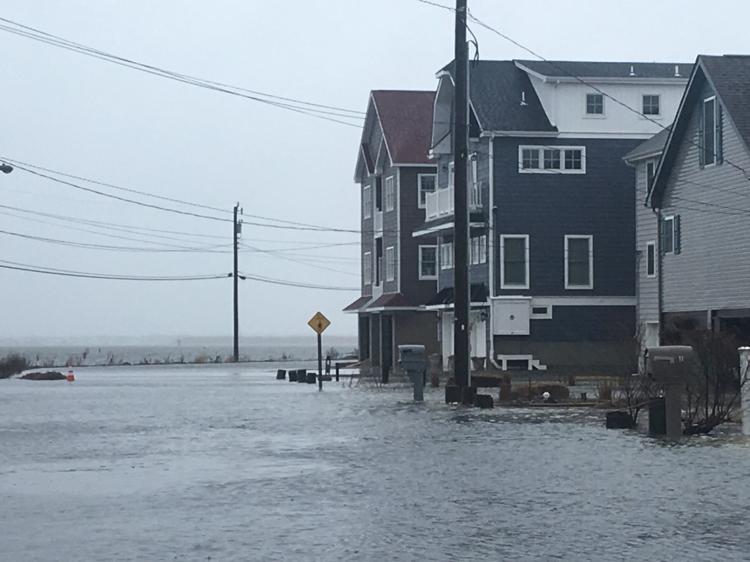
x,y
235,277
461,209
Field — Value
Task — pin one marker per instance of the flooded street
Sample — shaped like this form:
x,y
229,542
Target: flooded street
x,y
215,463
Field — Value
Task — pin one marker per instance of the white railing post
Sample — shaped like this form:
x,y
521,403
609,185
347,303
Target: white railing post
x,y
745,381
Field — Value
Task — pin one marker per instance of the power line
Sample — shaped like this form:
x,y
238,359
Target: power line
x,y
319,111
307,263
285,283
4,264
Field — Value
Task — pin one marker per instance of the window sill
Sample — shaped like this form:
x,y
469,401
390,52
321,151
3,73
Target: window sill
x,y
428,277
579,287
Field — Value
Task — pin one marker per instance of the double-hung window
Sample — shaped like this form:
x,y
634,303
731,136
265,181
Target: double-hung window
x,y
710,132
650,167
514,261
427,184
594,104
427,262
671,235
446,255
475,250
651,105
390,194
366,202
552,159
390,263
483,248
367,268
579,261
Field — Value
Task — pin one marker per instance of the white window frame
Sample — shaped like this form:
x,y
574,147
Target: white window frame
x,y
390,263
503,284
590,284
715,148
420,189
670,219
474,253
586,113
446,255
422,276
651,244
389,194
367,202
483,248
367,268
546,315
540,155
643,106
476,193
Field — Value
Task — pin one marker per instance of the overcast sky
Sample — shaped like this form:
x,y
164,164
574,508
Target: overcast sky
x,y
91,118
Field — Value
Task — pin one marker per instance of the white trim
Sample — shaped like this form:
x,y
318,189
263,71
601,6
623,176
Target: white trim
x,y
651,244
419,262
540,156
397,197
645,115
603,80
367,198
586,114
546,315
583,301
382,131
447,257
441,227
715,151
503,284
590,284
414,165
533,134
389,308
390,263
421,205
604,135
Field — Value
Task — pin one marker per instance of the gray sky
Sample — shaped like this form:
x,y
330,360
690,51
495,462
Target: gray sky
x,y
76,114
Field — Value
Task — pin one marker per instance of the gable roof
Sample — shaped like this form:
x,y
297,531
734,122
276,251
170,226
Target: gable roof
x,y
406,119
649,148
729,77
496,90
561,70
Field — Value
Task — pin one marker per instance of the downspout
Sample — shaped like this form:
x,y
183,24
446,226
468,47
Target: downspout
x,y
491,254
659,274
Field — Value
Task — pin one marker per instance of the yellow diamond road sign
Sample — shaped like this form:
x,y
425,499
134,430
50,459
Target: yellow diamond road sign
x,y
319,323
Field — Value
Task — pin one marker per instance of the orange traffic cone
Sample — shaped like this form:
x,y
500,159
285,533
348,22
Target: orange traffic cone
x,y
70,377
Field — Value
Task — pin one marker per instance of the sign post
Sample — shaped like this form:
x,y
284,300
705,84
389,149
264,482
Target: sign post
x,y
319,323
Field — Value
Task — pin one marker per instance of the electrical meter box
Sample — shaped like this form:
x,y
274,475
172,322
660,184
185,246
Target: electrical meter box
x,y
670,364
412,358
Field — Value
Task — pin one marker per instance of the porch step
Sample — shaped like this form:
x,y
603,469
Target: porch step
x,y
531,363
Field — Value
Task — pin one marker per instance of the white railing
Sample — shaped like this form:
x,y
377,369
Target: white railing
x,y
378,222
439,203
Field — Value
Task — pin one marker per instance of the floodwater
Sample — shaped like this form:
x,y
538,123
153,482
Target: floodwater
x,y
213,463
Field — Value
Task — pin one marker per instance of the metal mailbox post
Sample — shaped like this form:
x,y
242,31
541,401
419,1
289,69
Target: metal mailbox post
x,y
413,360
669,366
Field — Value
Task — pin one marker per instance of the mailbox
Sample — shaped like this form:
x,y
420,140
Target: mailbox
x,y
412,358
670,364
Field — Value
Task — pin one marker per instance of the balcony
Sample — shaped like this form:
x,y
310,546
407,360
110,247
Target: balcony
x,y
378,222
439,203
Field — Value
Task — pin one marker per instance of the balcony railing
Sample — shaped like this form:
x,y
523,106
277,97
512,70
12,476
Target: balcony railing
x,y
439,203
378,222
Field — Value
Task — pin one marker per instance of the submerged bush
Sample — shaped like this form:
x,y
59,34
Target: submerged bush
x,y
12,365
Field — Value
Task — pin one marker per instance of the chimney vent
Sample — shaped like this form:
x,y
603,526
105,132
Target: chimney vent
x,y
676,71
523,99
632,71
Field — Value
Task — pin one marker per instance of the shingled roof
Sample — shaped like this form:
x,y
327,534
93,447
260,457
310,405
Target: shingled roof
x,y
729,76
589,69
406,119
497,90
649,148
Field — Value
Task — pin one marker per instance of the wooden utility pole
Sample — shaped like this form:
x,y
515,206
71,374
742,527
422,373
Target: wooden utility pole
x,y
235,278
461,208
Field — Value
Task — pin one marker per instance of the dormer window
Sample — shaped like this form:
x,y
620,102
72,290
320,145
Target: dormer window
x,y
594,104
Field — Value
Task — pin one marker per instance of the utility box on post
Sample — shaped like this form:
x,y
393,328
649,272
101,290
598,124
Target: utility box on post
x,y
670,366
413,360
